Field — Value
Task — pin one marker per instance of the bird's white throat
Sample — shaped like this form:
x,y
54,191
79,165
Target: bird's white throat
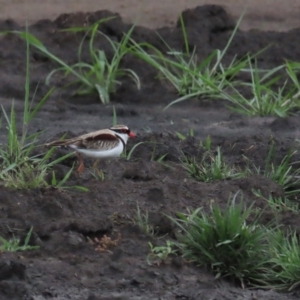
x,y
123,136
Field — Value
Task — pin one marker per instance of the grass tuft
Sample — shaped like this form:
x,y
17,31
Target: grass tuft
x,y
142,220
210,168
161,254
101,76
20,165
283,173
224,241
13,245
285,260
279,204
184,73
265,100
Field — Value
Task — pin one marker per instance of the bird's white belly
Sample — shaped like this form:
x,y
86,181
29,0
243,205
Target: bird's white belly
x,y
98,153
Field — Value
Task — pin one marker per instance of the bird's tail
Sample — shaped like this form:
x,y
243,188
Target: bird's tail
x,y
59,143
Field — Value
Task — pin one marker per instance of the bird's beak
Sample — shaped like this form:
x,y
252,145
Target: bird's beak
x,y
132,135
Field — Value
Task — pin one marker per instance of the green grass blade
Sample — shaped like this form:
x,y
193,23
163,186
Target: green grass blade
x,y
40,105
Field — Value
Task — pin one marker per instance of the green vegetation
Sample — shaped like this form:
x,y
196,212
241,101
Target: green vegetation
x,y
181,71
226,241
265,100
101,75
20,166
282,173
161,254
142,221
98,174
206,145
129,154
13,245
279,204
185,74
183,137
285,258
210,167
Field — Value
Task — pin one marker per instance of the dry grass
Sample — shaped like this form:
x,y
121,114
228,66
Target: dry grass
x,y
105,243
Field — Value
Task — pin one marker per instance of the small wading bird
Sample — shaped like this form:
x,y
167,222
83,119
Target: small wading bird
x,y
104,143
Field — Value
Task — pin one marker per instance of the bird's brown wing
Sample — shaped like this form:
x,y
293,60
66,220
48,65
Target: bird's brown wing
x,y
102,139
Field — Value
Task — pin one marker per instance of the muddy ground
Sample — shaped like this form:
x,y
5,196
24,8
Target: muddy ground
x,y
67,266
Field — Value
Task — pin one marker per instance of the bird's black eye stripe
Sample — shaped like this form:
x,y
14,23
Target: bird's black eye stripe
x,y
123,130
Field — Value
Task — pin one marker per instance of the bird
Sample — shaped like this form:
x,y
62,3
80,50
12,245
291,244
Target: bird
x,y
103,143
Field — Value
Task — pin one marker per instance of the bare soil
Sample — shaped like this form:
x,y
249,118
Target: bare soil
x,y
68,266
264,15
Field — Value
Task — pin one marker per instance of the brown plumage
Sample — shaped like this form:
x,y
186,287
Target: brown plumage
x,y
101,139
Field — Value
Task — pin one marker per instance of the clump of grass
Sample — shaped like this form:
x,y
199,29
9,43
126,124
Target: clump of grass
x,y
13,245
98,174
20,166
265,100
224,241
284,273
210,168
206,145
193,79
240,248
279,204
185,74
292,69
161,254
101,76
61,185
142,221
282,173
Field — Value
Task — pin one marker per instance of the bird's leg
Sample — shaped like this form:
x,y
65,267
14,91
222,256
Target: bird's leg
x,y
81,163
